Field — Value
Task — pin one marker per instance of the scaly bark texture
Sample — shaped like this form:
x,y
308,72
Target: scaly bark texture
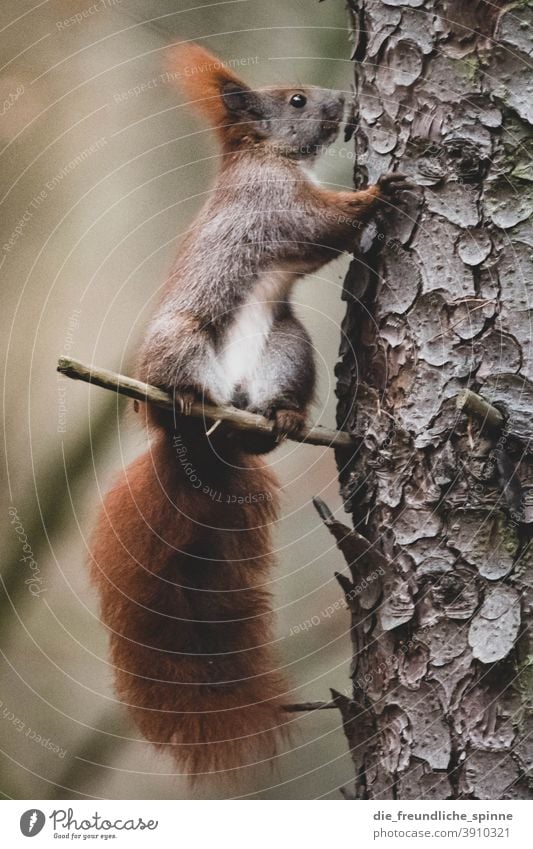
x,y
438,300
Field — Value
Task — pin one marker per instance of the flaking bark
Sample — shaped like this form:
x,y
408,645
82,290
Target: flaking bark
x,y
438,300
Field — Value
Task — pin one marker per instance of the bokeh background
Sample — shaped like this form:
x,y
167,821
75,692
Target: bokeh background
x,y
103,169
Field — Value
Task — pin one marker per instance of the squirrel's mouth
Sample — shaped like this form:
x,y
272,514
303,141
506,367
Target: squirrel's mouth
x,y
332,116
329,130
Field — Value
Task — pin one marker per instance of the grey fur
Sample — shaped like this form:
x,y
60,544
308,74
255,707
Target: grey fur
x,y
265,225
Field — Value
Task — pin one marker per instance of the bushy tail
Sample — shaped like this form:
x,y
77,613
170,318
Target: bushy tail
x,y
181,558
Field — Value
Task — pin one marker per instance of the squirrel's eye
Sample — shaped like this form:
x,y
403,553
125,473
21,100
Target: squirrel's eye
x,y
298,101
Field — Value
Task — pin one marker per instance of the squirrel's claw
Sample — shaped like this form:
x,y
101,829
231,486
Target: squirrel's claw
x,y
184,399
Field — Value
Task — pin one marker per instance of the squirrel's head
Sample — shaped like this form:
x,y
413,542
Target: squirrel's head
x,y
295,122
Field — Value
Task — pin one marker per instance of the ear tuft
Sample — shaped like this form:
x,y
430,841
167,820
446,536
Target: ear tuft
x,y
211,87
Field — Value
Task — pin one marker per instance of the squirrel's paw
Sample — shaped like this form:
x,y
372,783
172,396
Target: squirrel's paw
x,y
185,397
394,181
288,423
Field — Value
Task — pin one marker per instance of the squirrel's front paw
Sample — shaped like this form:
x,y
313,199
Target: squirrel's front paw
x,y
392,182
288,423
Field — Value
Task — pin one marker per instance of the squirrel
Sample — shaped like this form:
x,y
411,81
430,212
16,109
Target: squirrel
x,y
181,554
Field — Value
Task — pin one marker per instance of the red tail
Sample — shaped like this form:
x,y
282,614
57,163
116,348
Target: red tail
x,y
181,559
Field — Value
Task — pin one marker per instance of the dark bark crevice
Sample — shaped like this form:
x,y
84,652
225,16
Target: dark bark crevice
x,y
438,301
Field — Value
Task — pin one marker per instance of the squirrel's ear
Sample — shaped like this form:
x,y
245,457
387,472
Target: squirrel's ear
x,y
211,87
240,100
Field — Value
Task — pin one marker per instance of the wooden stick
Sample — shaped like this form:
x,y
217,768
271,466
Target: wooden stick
x,y
302,706
238,419
474,405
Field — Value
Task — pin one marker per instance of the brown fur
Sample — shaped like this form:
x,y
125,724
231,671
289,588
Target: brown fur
x,y
201,77
182,564
183,580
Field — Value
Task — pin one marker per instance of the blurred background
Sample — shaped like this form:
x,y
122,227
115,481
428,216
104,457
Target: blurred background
x,y
103,169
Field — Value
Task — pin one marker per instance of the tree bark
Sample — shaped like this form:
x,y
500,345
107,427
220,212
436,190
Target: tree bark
x,y
440,590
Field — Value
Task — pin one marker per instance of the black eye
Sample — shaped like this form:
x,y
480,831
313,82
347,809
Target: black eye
x,y
298,101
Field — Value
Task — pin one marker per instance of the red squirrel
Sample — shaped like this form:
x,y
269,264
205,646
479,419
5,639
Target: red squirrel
x,y
181,555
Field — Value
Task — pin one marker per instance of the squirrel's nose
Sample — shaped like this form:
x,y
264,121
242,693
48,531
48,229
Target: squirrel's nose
x,y
333,109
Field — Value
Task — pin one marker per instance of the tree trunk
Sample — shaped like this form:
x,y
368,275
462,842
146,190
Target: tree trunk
x,y
437,301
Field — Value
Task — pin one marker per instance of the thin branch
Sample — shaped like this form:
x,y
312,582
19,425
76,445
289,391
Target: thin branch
x,y
238,419
323,511
303,706
474,405
354,546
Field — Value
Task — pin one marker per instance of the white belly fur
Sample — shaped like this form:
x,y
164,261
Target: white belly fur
x,y
247,334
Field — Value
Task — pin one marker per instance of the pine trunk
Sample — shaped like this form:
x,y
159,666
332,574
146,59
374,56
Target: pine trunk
x,y
441,496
